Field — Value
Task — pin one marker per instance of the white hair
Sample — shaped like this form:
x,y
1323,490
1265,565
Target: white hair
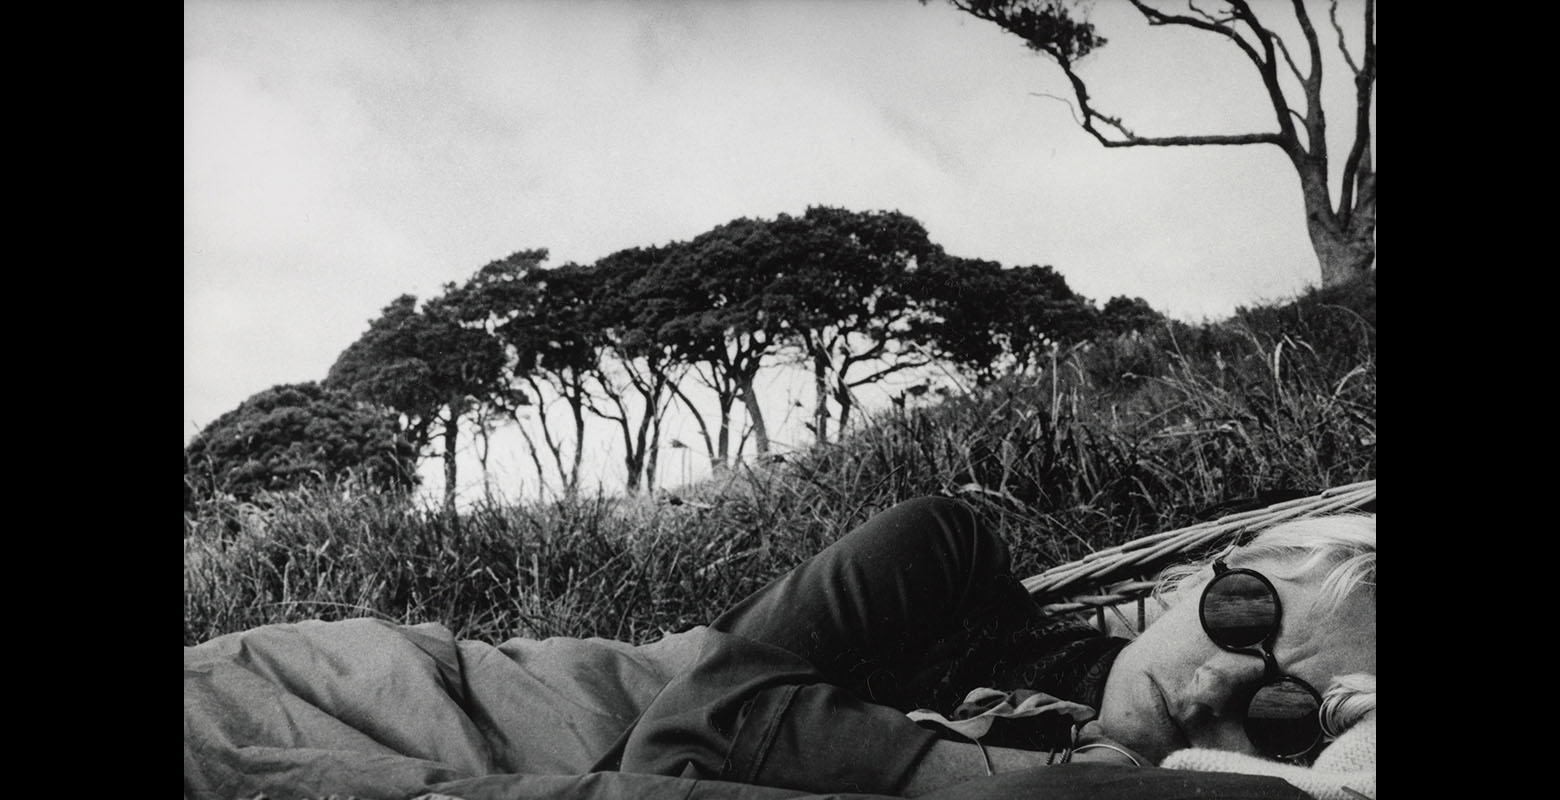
x,y
1347,701
1341,546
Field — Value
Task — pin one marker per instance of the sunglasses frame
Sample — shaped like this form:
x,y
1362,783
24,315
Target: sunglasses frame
x,y
1271,675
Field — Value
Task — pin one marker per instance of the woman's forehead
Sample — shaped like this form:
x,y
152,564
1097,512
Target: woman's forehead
x,y
1293,570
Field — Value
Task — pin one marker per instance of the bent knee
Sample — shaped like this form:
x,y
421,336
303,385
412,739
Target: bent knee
x,y
949,520
937,505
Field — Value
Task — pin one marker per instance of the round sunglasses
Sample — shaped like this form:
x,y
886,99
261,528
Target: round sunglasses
x,y
1240,612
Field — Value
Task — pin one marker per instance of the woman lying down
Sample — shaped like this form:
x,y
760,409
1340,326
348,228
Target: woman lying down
x,y
904,660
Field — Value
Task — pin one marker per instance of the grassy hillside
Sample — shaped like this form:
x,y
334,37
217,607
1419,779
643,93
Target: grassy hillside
x,y
1118,439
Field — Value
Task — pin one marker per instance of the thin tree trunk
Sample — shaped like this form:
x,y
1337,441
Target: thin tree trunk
x,y
571,482
653,460
536,460
484,445
846,402
704,426
451,437
722,458
821,391
750,401
635,460
634,465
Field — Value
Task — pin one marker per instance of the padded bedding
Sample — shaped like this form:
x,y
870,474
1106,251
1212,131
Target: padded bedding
x,y
370,709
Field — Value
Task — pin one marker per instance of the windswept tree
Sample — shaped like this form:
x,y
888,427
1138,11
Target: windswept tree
x,y
557,349
295,435
838,287
707,302
637,369
1342,231
431,365
544,319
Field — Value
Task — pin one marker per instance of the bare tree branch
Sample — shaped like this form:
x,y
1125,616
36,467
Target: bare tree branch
x,y
1312,42
1264,62
897,366
1063,101
1211,17
1357,167
1094,120
1228,21
1343,237
1090,116
1157,17
1316,121
1343,43
1212,139
1270,40
612,394
1283,50
1267,67
536,459
541,417
703,427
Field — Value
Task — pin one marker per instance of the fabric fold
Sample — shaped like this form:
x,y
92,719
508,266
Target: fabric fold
x,y
751,712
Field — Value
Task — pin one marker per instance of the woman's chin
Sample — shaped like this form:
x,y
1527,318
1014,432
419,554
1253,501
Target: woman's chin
x,y
1152,731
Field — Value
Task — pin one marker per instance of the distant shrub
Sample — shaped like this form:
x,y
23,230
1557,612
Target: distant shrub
x,y
293,435
1123,315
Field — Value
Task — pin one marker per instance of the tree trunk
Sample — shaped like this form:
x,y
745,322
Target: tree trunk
x,y
653,460
750,401
536,460
634,464
571,482
1345,246
484,450
821,391
843,399
714,448
634,461
721,459
451,436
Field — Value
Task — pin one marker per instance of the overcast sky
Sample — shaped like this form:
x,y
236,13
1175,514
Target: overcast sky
x,y
338,153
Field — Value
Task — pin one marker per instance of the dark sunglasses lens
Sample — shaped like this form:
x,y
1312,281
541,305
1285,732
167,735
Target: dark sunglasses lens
x,y
1239,610
1281,719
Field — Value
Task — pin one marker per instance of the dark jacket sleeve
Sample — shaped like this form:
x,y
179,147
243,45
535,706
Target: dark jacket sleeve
x,y
753,713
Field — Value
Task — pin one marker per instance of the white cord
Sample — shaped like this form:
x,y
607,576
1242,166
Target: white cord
x,y
1083,747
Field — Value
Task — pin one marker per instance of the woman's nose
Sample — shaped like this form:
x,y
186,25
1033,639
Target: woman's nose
x,y
1222,678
